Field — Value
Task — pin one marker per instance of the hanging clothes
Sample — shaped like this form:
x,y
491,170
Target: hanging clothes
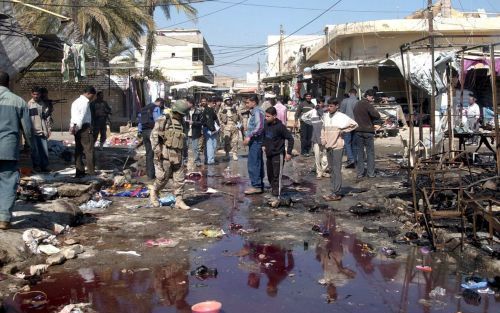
x,y
75,53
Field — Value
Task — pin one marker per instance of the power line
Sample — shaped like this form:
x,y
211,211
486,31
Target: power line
x,y
208,14
296,31
190,2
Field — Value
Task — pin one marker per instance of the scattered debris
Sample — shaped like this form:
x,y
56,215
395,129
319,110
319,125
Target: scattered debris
x,y
95,206
48,249
202,272
424,268
389,252
361,209
167,200
134,253
33,237
162,242
213,233
471,297
437,292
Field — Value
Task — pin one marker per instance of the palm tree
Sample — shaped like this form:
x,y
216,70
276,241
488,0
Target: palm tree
x,y
98,21
165,6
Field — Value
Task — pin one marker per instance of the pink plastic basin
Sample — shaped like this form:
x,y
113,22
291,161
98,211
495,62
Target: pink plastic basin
x,y
207,307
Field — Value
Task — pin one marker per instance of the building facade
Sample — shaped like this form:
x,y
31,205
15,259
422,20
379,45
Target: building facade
x,y
182,55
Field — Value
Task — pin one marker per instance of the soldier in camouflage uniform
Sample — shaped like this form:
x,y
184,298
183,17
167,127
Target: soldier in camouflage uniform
x,y
167,141
230,122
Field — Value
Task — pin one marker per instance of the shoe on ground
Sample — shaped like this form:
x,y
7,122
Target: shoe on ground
x,y
253,191
332,197
80,175
326,175
350,165
371,176
235,157
180,204
4,225
360,176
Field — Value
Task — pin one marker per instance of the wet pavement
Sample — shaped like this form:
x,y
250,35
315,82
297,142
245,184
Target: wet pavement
x,y
336,271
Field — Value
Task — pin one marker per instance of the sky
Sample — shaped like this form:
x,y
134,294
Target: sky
x,y
237,28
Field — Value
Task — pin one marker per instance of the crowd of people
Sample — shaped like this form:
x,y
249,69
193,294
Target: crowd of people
x,y
184,130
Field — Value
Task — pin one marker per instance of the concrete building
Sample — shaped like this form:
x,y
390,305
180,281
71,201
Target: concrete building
x,y
293,50
223,81
182,55
372,41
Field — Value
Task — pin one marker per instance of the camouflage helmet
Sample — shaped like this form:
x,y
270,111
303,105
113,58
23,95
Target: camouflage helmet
x,y
180,106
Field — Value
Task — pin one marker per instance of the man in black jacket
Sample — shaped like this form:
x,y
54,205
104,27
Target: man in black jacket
x,y
275,134
211,128
365,114
306,128
193,124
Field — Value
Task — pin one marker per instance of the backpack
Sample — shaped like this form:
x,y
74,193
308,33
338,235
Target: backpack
x,y
147,119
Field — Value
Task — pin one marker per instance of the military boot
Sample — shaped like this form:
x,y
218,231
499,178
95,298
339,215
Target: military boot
x,y
153,196
180,204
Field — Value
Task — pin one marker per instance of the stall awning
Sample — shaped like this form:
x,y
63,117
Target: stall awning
x,y
278,79
191,84
344,64
16,51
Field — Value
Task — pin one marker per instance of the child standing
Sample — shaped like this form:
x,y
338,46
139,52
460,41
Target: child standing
x,y
275,134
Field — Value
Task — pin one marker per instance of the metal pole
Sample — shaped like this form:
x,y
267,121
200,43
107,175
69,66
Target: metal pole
x,y
359,83
449,112
338,84
433,82
411,139
495,103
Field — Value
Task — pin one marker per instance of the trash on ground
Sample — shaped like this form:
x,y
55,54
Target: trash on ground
x,y
139,192
281,202
39,269
389,252
48,249
474,283
134,253
207,307
234,226
213,233
321,230
437,292
361,209
95,206
167,200
76,308
49,193
33,237
202,272
471,297
194,176
162,242
211,190
424,268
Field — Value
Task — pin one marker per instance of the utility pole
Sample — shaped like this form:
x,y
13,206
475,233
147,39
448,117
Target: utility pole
x,y
258,77
430,16
280,57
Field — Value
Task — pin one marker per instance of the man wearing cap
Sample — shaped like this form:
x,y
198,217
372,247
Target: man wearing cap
x,y
167,141
230,121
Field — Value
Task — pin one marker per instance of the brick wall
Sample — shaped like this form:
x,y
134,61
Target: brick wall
x,y
115,92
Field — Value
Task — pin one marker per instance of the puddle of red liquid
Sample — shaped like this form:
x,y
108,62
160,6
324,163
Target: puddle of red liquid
x,y
265,278
337,273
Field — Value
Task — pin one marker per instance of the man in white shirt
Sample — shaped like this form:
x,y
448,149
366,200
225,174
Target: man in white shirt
x,y
81,128
473,114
